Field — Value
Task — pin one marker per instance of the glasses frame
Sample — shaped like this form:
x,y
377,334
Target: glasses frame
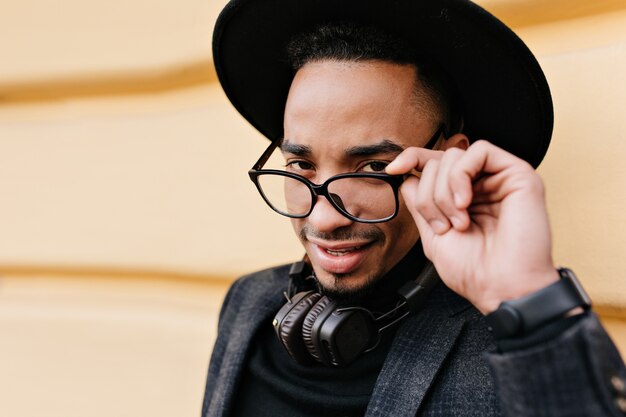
x,y
322,189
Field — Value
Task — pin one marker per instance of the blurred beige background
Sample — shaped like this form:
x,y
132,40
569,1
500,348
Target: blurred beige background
x,y
125,207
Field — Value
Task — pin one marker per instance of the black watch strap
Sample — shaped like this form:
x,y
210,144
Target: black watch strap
x,y
521,316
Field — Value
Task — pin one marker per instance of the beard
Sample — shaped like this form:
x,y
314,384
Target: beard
x,y
347,295
340,291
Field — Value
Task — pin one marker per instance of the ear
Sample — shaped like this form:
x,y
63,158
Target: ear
x,y
458,140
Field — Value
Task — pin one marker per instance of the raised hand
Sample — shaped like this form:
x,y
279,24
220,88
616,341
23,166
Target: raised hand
x,y
482,219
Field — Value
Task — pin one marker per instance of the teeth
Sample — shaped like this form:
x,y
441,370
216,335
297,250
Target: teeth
x,y
342,252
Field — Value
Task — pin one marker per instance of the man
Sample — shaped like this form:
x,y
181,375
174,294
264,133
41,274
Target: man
x,y
377,108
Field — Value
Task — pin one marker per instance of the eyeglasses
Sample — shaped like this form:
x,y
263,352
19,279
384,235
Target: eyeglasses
x,y
361,197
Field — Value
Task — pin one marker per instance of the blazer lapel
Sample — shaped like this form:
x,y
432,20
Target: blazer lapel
x,y
419,350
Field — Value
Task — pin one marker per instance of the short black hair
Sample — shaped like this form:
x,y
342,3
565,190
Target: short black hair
x,y
346,41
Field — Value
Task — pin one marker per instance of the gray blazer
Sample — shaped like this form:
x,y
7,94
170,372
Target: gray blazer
x,y
442,361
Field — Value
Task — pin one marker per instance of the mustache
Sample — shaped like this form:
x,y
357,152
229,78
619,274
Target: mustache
x,y
343,233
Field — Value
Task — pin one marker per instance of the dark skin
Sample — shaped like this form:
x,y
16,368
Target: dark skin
x,y
479,211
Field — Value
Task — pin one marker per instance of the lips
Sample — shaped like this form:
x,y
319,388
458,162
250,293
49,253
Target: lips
x,y
339,258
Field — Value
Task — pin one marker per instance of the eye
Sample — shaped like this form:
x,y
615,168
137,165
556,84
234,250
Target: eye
x,y
299,166
374,166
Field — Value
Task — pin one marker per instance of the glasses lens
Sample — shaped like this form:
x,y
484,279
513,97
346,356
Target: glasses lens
x,y
286,195
364,198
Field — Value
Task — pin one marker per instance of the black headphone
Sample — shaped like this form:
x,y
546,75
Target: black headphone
x,y
312,327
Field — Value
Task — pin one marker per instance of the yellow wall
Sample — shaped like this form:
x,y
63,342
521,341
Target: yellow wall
x,y
99,346
126,207
118,150
584,60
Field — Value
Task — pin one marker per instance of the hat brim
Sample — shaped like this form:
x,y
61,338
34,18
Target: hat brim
x,y
504,94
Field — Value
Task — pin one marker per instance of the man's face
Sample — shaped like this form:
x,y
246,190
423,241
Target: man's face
x,y
352,117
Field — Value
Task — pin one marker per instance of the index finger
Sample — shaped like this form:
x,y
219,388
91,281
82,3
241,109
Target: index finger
x,y
412,158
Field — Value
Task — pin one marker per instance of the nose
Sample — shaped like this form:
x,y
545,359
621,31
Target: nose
x,y
325,218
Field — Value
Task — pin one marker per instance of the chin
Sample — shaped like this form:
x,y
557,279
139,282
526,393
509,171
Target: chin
x,y
345,288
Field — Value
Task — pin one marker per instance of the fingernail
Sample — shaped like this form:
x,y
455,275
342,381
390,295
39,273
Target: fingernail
x,y
438,226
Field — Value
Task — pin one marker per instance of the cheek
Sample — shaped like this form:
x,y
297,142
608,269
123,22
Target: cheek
x,y
402,233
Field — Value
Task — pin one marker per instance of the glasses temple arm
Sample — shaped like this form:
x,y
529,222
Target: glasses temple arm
x,y
266,155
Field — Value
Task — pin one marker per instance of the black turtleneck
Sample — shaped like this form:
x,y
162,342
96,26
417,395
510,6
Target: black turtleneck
x,y
274,385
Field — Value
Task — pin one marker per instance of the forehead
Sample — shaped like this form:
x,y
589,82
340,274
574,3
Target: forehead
x,y
336,105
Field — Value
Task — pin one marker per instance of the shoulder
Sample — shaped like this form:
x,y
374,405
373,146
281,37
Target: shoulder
x,y
255,286
270,277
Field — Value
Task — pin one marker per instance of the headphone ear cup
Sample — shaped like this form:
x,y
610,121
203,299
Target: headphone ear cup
x,y
309,335
288,325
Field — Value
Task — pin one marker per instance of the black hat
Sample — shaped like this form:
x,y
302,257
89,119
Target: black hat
x,y
504,94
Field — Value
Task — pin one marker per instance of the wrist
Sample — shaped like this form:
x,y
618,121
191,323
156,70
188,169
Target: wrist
x,y
518,287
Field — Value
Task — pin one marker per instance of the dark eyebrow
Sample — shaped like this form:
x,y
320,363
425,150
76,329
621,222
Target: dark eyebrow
x,y
295,149
384,147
